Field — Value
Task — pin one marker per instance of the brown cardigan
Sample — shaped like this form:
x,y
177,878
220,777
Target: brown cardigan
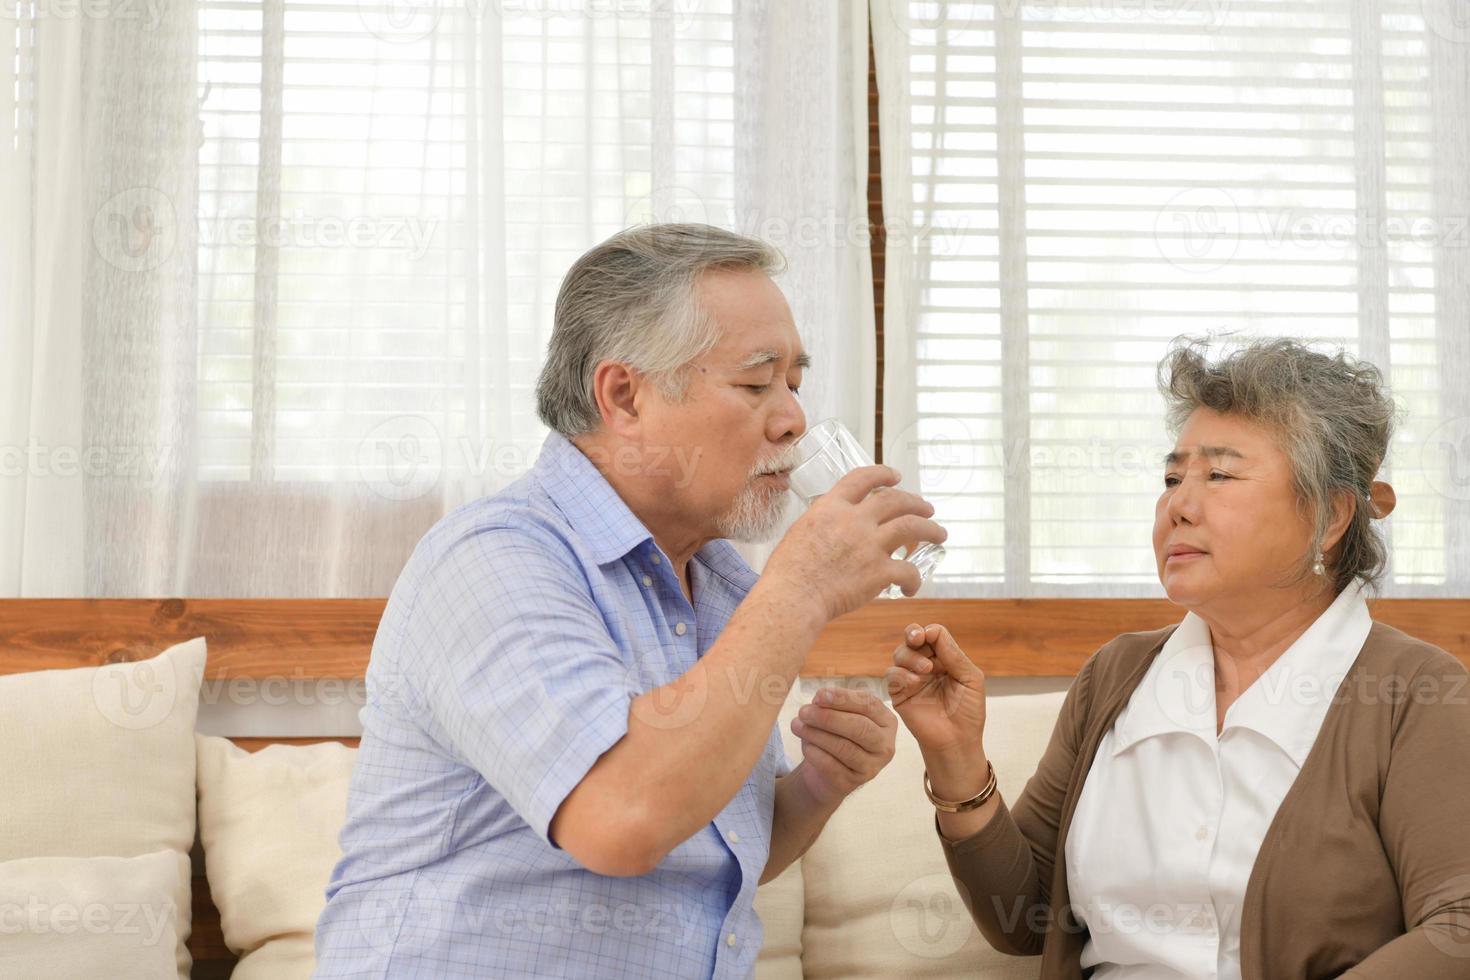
x,y
1365,867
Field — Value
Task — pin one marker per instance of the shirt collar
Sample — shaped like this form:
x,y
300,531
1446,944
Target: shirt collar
x,y
721,559
1177,694
606,525
1285,704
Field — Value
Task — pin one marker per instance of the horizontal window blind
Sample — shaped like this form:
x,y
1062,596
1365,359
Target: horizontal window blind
x,y
389,196
1093,179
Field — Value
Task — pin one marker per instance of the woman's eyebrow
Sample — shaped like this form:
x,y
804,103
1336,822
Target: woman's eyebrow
x,y
1180,455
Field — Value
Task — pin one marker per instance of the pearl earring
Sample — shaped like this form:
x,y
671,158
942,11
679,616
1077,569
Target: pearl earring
x,y
1319,567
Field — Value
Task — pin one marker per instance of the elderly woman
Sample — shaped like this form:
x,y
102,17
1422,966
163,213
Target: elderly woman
x,y
1275,787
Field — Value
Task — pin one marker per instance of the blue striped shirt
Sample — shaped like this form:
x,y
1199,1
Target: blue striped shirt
x,y
512,646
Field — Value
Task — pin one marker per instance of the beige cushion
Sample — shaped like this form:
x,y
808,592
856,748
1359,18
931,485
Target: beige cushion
x,y
781,903
62,918
269,821
879,898
99,762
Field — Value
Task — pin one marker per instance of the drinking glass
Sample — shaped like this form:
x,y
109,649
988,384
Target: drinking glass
x,y
827,453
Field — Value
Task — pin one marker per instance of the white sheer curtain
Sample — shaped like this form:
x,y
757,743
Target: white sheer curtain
x,y
283,272
1069,184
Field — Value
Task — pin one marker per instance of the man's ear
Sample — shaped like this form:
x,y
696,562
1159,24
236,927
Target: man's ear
x,y
615,386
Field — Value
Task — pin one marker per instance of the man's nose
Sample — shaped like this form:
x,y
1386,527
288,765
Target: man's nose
x,y
789,423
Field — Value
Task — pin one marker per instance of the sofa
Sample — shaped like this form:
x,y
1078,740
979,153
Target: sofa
x,y
110,788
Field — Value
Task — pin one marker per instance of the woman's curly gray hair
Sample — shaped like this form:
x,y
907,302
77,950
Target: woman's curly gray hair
x,y
1332,415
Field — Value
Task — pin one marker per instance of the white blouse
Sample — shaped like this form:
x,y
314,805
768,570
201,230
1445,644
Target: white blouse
x,y
1171,816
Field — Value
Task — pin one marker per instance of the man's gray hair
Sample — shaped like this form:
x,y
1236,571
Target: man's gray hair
x,y
1331,415
632,300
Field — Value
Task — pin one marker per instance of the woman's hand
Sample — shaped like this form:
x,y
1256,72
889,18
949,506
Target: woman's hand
x,y
940,695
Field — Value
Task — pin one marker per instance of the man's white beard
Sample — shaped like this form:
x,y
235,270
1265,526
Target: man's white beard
x,y
755,515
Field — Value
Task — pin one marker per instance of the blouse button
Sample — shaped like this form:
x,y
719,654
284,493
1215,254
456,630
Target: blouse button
x,y
680,628
1202,833
647,581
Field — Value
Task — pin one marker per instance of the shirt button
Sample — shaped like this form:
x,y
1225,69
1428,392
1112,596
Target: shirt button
x,y
647,580
658,559
680,628
1202,833
734,837
730,939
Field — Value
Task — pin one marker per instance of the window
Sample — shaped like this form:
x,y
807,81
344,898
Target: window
x,y
1092,179
389,197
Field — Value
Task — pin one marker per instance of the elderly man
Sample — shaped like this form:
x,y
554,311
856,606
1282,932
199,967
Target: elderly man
x,y
569,763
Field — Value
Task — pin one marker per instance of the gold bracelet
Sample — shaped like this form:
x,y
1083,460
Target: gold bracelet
x,y
965,806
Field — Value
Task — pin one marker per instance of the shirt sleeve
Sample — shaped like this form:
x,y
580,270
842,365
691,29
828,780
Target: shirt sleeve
x,y
1005,870
1426,796
517,671
783,762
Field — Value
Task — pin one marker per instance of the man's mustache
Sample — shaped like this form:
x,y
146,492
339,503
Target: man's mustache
x,y
779,463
